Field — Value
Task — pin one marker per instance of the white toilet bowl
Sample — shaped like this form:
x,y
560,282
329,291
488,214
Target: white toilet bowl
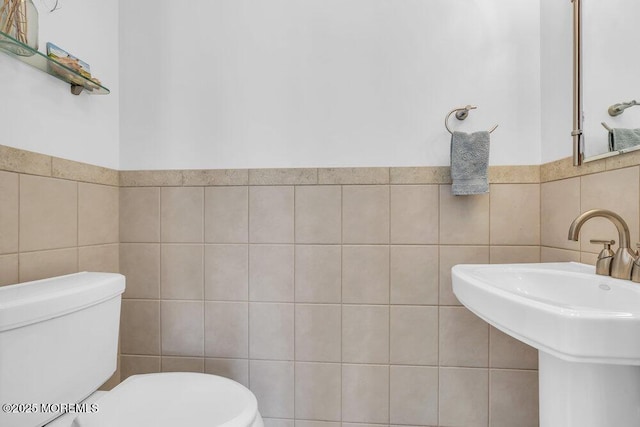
x,y
169,400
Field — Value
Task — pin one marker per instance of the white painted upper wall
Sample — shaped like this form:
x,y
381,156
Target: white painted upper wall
x,y
37,111
320,83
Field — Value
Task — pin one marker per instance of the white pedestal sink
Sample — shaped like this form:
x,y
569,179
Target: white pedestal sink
x,y
586,328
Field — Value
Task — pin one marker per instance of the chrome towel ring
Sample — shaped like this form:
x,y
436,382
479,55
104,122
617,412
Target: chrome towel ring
x,y
461,114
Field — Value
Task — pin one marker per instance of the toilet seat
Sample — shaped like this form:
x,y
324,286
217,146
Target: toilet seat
x,y
174,399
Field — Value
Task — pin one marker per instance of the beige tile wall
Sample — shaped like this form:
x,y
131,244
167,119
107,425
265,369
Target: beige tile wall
x,y
562,200
52,226
56,217
328,292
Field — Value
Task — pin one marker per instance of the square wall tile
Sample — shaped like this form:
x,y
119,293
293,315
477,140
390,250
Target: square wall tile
x,y
48,213
318,273
464,220
139,214
414,335
515,214
182,364
318,214
182,272
226,329
514,254
365,334
317,391
588,258
278,422
508,352
136,365
365,274
414,395
464,338
365,214
271,214
226,214
559,206
513,400
46,264
414,275
103,258
318,332
9,273
603,191
307,423
140,264
9,213
464,397
558,255
271,331
98,213
365,394
454,255
226,272
273,385
182,328
182,214
414,214
235,369
271,273
140,327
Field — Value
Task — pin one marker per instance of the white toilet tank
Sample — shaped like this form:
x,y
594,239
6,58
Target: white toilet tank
x,y
58,342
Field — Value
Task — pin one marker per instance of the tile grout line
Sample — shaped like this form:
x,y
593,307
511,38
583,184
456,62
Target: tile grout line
x,y
438,318
341,301
294,189
160,269
248,258
389,302
488,396
19,221
202,258
438,309
77,227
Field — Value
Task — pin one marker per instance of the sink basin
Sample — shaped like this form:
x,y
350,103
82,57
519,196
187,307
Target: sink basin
x,y
586,328
564,309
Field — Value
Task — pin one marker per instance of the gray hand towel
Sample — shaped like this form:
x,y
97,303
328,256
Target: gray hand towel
x,y
470,163
620,138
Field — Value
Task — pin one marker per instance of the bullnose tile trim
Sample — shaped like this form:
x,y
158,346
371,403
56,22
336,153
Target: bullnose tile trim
x,y
297,176
215,177
151,178
22,161
353,176
563,168
83,172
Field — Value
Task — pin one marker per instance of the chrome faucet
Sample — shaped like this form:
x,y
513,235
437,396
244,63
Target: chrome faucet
x,y
623,259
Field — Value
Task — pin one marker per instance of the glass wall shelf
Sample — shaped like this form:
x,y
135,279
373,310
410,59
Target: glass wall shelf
x,y
36,59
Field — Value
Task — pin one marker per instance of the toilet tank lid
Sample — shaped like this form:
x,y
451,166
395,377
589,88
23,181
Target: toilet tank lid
x,y
40,300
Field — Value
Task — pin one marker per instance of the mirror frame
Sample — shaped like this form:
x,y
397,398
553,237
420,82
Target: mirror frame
x,y
577,133
578,113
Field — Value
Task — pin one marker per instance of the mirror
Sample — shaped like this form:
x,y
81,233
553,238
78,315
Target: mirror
x,y
606,81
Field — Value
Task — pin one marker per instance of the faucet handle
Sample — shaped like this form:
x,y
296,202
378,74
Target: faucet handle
x,y
603,265
635,272
607,243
